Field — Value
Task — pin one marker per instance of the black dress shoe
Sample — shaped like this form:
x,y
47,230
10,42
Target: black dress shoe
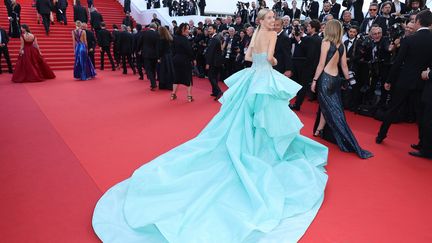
x,y
416,146
213,95
153,88
141,78
218,96
419,154
380,139
294,107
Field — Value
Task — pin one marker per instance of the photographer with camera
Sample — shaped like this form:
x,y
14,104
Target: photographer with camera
x,y
373,19
310,9
298,55
230,42
355,8
347,23
404,79
351,96
389,19
242,12
294,12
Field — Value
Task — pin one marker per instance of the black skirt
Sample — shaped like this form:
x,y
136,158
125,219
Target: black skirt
x,y
182,70
166,72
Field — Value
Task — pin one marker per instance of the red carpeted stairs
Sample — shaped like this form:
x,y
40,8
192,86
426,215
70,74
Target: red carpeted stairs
x,y
57,47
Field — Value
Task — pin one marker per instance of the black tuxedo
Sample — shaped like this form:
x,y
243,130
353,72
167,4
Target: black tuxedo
x,y
283,53
294,15
125,44
149,46
80,13
127,6
62,6
214,59
114,35
104,40
415,55
322,16
95,20
366,25
335,10
358,6
4,49
313,11
91,44
128,21
44,9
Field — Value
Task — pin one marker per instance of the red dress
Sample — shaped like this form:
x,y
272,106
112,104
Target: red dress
x,y
31,67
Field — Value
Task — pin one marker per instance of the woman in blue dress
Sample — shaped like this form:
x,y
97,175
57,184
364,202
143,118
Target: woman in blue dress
x,y
331,122
83,68
249,176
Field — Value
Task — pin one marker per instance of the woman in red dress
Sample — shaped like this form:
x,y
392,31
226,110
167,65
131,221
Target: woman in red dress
x,y
30,67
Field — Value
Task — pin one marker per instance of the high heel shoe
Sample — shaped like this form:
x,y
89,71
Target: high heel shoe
x,y
173,96
190,98
318,133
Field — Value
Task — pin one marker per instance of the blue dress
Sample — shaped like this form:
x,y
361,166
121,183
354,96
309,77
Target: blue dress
x,y
83,68
249,176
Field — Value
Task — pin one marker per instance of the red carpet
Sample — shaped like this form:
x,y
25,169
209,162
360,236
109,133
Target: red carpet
x,y
60,38
64,142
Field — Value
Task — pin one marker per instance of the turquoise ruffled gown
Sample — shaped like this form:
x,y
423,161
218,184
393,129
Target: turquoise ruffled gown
x,y
249,176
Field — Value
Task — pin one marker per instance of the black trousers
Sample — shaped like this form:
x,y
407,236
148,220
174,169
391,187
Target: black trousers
x,y
399,97
62,16
202,10
5,52
299,77
91,54
150,68
127,57
106,49
426,133
213,77
116,55
46,22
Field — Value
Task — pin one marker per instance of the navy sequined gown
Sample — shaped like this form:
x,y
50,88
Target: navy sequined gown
x,y
330,104
83,68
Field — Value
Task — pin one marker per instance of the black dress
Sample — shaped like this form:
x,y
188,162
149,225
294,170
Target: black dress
x,y
166,70
14,22
330,104
182,57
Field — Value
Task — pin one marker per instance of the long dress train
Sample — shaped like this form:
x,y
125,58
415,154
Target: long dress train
x,y
249,176
83,68
336,129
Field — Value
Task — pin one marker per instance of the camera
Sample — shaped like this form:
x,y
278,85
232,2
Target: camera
x,y
346,27
297,31
351,79
396,31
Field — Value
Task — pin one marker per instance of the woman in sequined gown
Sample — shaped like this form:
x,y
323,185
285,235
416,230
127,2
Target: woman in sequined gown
x,y
331,122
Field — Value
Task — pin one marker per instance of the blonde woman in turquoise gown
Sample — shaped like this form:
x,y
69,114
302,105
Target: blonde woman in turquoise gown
x,y
249,176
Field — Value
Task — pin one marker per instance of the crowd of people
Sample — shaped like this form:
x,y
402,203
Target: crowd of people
x,y
179,7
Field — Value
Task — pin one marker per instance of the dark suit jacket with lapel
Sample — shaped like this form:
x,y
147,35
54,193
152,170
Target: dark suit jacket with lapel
x,y
283,53
358,9
312,46
104,38
91,40
137,38
293,15
80,13
214,52
314,9
378,20
62,4
95,19
414,56
43,6
125,43
149,44
335,10
4,37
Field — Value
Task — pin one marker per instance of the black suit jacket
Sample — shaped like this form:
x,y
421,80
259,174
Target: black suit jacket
x,y
128,21
283,53
125,43
293,15
335,10
62,4
96,19
104,38
414,56
313,11
43,6
136,37
358,6
403,10
214,52
149,44
91,40
427,91
80,13
312,46
378,20
4,37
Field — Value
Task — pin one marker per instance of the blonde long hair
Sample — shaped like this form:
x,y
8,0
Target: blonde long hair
x,y
333,32
260,16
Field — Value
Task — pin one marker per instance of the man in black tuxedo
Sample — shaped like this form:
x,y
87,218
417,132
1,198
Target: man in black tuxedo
x,y
373,19
312,47
202,4
128,21
62,7
387,19
91,43
355,7
149,46
80,12
294,12
425,150
282,50
347,21
415,55
136,49
312,10
214,60
95,19
335,9
325,11
253,14
104,40
44,9
127,6
4,40
115,32
230,43
352,46
125,44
